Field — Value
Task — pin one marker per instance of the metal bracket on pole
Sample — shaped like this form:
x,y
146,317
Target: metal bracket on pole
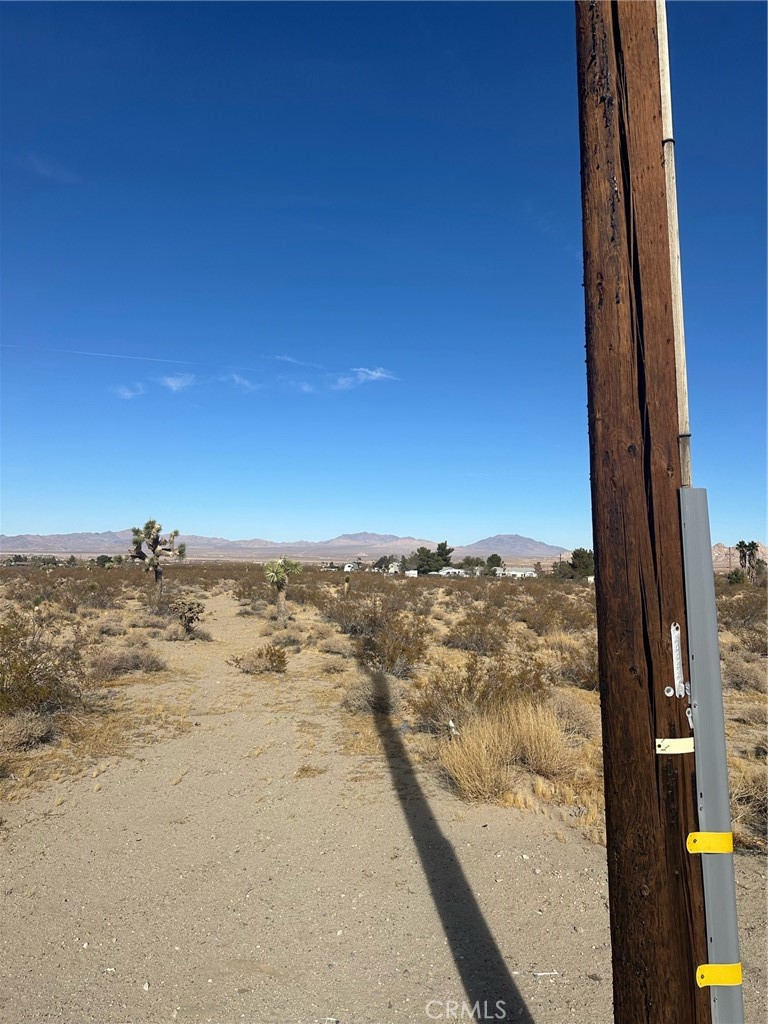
x,y
723,973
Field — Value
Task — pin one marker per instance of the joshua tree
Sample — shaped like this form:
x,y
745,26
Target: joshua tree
x,y
277,574
159,548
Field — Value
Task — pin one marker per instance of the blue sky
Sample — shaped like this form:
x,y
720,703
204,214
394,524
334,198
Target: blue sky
x,y
289,270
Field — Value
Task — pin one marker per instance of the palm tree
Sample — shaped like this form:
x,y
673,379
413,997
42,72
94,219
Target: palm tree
x,y
742,547
748,557
277,574
753,552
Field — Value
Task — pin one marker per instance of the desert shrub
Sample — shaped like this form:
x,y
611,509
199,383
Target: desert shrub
x,y
189,613
175,633
496,746
578,665
749,802
458,694
744,670
32,588
111,627
481,631
269,658
547,606
745,615
334,645
251,590
307,589
113,664
41,664
333,668
71,589
373,693
396,646
26,729
354,615
576,715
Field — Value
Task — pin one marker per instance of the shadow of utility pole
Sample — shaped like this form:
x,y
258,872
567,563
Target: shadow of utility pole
x,y
483,971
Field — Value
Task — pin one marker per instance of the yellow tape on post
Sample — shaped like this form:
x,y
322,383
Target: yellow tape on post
x,y
718,974
710,842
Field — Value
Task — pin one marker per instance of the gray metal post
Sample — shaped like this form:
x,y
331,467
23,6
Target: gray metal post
x,y
709,746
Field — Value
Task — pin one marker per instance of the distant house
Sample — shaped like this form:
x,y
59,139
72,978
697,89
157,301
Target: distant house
x,y
514,571
352,567
451,570
393,567
411,572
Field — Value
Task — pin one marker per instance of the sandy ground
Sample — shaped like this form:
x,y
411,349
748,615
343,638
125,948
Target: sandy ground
x,y
249,870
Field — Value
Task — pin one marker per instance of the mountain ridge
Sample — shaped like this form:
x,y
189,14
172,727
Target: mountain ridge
x,y
363,544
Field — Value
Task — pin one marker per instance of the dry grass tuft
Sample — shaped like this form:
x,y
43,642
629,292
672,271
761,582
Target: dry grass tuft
x,y
362,737
493,749
749,802
309,771
578,712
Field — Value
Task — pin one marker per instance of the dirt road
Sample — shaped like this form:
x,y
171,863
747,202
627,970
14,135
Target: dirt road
x,y
249,870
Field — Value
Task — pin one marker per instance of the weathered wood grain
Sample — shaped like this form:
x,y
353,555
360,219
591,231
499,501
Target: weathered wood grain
x,y
656,899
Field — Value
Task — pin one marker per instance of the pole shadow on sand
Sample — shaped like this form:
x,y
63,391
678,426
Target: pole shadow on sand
x,y
484,973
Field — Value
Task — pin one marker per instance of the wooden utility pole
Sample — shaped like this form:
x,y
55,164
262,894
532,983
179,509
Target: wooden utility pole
x,y
656,898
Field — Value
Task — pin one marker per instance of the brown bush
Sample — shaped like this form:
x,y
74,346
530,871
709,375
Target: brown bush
x,y
269,658
550,606
41,663
396,646
575,713
26,729
482,631
749,802
578,664
373,693
745,615
115,663
458,694
744,670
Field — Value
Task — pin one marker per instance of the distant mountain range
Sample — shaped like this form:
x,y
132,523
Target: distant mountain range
x,y
368,546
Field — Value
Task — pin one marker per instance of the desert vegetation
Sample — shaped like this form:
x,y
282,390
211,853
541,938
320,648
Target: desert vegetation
x,y
491,682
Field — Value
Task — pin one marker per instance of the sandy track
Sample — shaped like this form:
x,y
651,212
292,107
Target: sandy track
x,y
247,870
